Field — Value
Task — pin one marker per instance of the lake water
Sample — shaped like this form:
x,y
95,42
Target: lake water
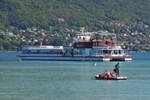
x,y
58,80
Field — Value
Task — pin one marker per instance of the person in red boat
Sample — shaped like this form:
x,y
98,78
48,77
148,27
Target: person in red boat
x,y
114,73
108,74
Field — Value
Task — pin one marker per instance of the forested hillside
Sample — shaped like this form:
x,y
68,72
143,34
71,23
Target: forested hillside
x,y
56,15
45,13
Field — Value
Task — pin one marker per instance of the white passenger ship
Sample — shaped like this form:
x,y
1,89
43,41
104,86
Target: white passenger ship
x,y
86,47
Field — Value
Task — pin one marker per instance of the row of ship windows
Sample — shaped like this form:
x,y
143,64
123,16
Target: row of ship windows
x,y
112,52
77,52
42,52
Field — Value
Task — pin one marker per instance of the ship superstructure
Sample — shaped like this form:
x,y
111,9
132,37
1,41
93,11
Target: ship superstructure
x,y
87,46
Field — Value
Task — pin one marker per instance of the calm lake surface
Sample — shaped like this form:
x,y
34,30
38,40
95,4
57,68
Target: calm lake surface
x,y
58,80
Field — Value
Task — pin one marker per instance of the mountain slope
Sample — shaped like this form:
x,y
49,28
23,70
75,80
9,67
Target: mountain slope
x,y
60,20
45,13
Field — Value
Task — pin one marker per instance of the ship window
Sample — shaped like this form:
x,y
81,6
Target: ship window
x,y
52,52
109,51
80,52
115,51
99,51
26,51
43,51
106,51
33,52
119,52
38,51
59,52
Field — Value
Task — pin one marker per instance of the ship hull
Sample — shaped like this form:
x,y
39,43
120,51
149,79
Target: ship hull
x,y
73,58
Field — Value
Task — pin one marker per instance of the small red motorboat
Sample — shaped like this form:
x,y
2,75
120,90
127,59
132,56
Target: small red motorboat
x,y
99,77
